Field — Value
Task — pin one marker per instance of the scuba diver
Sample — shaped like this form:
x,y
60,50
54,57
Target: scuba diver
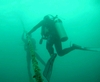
x,y
53,31
28,56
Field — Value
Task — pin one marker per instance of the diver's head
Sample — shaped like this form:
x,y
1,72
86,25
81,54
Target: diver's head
x,y
49,17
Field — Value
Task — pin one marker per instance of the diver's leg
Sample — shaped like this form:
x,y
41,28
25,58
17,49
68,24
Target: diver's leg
x,y
61,52
48,69
49,45
58,47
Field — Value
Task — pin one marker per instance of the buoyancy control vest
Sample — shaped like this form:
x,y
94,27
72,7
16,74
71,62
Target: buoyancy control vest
x,y
50,24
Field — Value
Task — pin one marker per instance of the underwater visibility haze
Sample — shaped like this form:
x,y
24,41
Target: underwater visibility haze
x,y
81,20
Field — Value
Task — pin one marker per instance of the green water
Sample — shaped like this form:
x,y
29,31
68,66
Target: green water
x,y
81,19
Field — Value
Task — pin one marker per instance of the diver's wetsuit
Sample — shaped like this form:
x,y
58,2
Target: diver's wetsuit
x,y
52,38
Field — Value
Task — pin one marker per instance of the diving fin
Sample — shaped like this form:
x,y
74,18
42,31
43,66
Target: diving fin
x,y
48,69
94,49
85,48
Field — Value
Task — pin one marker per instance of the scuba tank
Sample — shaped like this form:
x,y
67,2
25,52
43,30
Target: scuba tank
x,y
60,29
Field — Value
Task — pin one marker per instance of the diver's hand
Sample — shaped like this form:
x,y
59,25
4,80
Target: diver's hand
x,y
28,35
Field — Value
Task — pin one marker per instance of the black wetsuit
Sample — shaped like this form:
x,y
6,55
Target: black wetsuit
x,y
52,39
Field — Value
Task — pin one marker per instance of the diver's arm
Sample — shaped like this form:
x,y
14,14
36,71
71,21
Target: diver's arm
x,y
36,27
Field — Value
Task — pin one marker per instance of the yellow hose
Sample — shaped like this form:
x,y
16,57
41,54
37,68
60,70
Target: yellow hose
x,y
38,76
